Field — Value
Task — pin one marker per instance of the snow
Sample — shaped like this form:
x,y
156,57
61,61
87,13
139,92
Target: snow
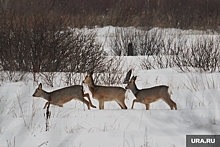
x,y
22,121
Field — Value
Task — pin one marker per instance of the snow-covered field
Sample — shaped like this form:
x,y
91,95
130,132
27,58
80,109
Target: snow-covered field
x,y
22,121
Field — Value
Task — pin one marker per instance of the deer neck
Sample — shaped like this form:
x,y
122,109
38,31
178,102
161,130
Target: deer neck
x,y
135,89
46,95
92,86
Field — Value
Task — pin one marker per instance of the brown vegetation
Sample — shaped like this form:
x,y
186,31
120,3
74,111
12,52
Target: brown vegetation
x,y
35,35
184,14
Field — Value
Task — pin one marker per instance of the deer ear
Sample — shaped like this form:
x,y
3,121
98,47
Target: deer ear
x,y
91,73
40,86
132,79
135,77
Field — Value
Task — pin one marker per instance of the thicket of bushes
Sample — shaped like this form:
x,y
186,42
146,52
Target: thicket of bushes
x,y
35,35
164,49
184,14
33,38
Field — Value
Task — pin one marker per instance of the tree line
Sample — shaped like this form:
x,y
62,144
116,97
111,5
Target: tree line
x,y
183,14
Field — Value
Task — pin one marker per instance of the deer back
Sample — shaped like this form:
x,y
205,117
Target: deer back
x,y
152,94
66,94
109,92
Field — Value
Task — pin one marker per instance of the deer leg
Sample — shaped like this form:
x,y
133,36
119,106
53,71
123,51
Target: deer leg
x,y
101,104
121,104
90,102
47,103
169,102
135,100
147,106
173,104
85,101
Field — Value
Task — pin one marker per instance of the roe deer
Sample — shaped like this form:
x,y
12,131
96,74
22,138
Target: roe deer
x,y
64,95
105,93
149,95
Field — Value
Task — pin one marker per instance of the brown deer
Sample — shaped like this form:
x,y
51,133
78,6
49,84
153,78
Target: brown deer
x,y
105,93
64,95
149,95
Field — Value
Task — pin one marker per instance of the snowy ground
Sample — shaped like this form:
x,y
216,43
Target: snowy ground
x,y
22,121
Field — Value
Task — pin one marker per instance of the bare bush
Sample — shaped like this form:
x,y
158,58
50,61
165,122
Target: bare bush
x,y
202,54
40,42
183,14
110,74
113,72
40,45
166,50
14,76
121,38
144,42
